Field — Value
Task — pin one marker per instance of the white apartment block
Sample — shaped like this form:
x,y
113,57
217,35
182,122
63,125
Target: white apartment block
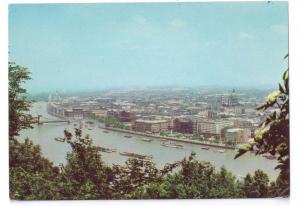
x,y
213,127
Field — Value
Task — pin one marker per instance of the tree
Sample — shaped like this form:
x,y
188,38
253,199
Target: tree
x,y
193,180
31,176
18,103
272,136
257,186
85,175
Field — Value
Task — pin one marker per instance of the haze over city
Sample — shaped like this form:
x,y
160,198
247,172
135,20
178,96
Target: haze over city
x,y
98,46
116,101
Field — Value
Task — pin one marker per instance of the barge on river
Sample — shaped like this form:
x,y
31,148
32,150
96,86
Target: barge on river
x,y
107,150
171,144
138,156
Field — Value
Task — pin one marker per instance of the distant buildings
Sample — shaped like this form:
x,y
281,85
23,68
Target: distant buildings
x,y
68,113
183,125
76,113
123,116
237,136
100,112
209,114
209,127
229,99
153,126
55,109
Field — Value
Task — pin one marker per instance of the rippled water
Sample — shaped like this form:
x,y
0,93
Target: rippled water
x,y
56,151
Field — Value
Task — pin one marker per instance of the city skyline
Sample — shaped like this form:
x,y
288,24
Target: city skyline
x,y
101,46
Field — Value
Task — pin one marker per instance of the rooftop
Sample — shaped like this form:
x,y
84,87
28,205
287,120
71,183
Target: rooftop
x,y
235,130
150,121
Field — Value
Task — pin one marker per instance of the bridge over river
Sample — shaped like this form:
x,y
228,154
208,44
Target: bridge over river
x,y
40,120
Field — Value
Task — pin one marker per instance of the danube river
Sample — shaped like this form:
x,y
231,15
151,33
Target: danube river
x,y
56,151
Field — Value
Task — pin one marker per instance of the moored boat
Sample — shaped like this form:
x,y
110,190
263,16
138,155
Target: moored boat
x,y
220,150
177,146
138,156
269,156
164,144
147,139
107,150
105,131
205,148
59,139
127,136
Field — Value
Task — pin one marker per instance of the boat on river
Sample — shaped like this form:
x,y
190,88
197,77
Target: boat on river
x,y
147,140
205,148
106,131
177,146
59,139
220,150
107,150
127,136
269,156
138,156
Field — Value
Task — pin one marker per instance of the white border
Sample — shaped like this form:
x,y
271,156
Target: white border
x,y
294,61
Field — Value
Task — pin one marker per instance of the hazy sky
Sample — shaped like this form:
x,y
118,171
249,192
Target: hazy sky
x,y
95,46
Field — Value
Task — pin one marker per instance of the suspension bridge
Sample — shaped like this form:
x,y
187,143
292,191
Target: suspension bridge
x,y
39,120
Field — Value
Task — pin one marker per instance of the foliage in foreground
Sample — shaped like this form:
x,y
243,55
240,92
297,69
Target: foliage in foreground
x,y
18,103
272,137
86,176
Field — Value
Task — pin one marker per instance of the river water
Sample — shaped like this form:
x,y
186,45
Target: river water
x,y
56,151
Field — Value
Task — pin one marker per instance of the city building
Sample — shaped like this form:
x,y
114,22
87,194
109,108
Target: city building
x,y
208,114
209,127
76,113
112,113
55,109
183,125
100,112
229,99
237,136
125,116
241,122
153,126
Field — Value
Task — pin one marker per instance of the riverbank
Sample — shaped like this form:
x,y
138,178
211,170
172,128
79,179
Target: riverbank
x,y
56,152
168,138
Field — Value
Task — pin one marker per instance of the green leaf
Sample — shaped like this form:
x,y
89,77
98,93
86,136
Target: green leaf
x,y
286,75
271,99
281,89
242,150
